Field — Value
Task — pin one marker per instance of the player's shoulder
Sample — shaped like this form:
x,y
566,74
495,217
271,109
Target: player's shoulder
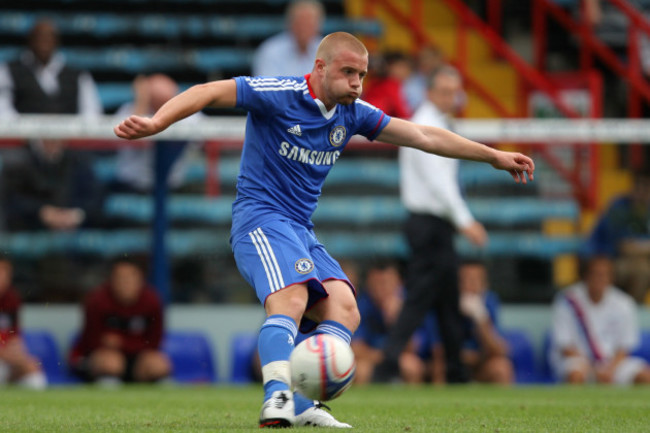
x,y
619,297
276,83
363,105
278,41
573,291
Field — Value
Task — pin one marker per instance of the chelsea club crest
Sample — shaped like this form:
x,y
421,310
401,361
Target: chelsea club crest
x,y
337,135
304,266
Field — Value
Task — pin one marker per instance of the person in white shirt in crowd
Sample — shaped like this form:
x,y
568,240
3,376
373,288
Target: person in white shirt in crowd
x,y
292,52
135,164
430,192
595,329
40,80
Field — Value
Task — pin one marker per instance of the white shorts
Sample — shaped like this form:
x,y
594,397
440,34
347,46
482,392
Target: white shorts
x,y
625,373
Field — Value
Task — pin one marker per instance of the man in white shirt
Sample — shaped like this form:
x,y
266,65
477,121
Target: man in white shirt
x,y
595,329
293,51
430,192
40,81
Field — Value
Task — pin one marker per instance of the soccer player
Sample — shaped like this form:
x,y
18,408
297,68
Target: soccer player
x,y
297,128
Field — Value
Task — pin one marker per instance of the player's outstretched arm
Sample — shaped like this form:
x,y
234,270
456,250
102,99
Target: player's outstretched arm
x,y
221,93
445,143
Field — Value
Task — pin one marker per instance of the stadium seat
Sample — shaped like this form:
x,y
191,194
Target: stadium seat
x,y
191,356
643,350
242,349
522,355
545,372
42,345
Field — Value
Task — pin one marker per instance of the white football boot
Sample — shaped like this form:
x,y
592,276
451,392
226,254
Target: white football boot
x,y
278,411
318,417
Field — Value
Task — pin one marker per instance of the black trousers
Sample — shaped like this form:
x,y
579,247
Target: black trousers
x,y
431,284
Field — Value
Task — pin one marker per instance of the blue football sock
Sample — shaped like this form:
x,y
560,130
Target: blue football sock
x,y
334,328
275,344
301,403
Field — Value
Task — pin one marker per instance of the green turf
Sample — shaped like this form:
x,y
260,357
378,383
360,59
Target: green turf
x,y
370,409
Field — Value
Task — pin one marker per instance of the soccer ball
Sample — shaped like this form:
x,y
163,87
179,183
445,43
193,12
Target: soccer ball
x,y
322,367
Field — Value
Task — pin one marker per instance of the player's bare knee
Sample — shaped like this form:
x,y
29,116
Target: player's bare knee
x,y
151,366
290,301
576,377
643,377
353,317
104,362
501,371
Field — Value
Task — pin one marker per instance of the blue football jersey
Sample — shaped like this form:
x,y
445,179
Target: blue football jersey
x,y
291,143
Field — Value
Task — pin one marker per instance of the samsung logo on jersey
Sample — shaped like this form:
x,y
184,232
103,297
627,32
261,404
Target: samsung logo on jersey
x,y
307,156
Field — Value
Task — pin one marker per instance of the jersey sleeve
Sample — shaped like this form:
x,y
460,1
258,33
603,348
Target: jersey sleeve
x,y
256,95
370,119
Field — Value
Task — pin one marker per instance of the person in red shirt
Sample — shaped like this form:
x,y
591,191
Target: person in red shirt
x,y
123,329
383,89
16,364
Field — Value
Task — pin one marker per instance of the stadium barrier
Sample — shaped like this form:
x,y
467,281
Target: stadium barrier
x,y
226,133
548,131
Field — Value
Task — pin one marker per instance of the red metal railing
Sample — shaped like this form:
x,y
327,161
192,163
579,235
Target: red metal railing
x,y
529,76
592,47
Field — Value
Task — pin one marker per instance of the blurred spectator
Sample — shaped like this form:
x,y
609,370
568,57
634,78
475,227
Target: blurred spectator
x,y
123,330
293,51
623,233
40,81
47,186
595,329
430,191
484,351
415,85
16,364
135,164
383,86
379,305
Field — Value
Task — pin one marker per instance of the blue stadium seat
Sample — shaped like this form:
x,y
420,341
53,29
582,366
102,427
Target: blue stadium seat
x,y
42,345
242,348
360,210
522,355
643,350
545,372
191,356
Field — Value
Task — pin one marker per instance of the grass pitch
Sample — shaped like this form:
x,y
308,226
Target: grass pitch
x,y
389,408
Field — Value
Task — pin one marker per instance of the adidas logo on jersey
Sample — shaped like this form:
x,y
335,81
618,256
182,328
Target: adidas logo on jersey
x,y
295,130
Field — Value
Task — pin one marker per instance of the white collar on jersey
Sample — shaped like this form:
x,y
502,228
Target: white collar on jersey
x,y
326,114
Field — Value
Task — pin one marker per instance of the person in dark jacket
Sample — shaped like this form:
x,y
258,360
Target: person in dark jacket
x,y
123,330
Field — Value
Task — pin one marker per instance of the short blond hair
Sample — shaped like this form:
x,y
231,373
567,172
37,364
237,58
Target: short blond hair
x,y
334,43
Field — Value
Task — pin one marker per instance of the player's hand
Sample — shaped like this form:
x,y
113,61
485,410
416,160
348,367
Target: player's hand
x,y
475,233
134,127
472,306
518,165
605,374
